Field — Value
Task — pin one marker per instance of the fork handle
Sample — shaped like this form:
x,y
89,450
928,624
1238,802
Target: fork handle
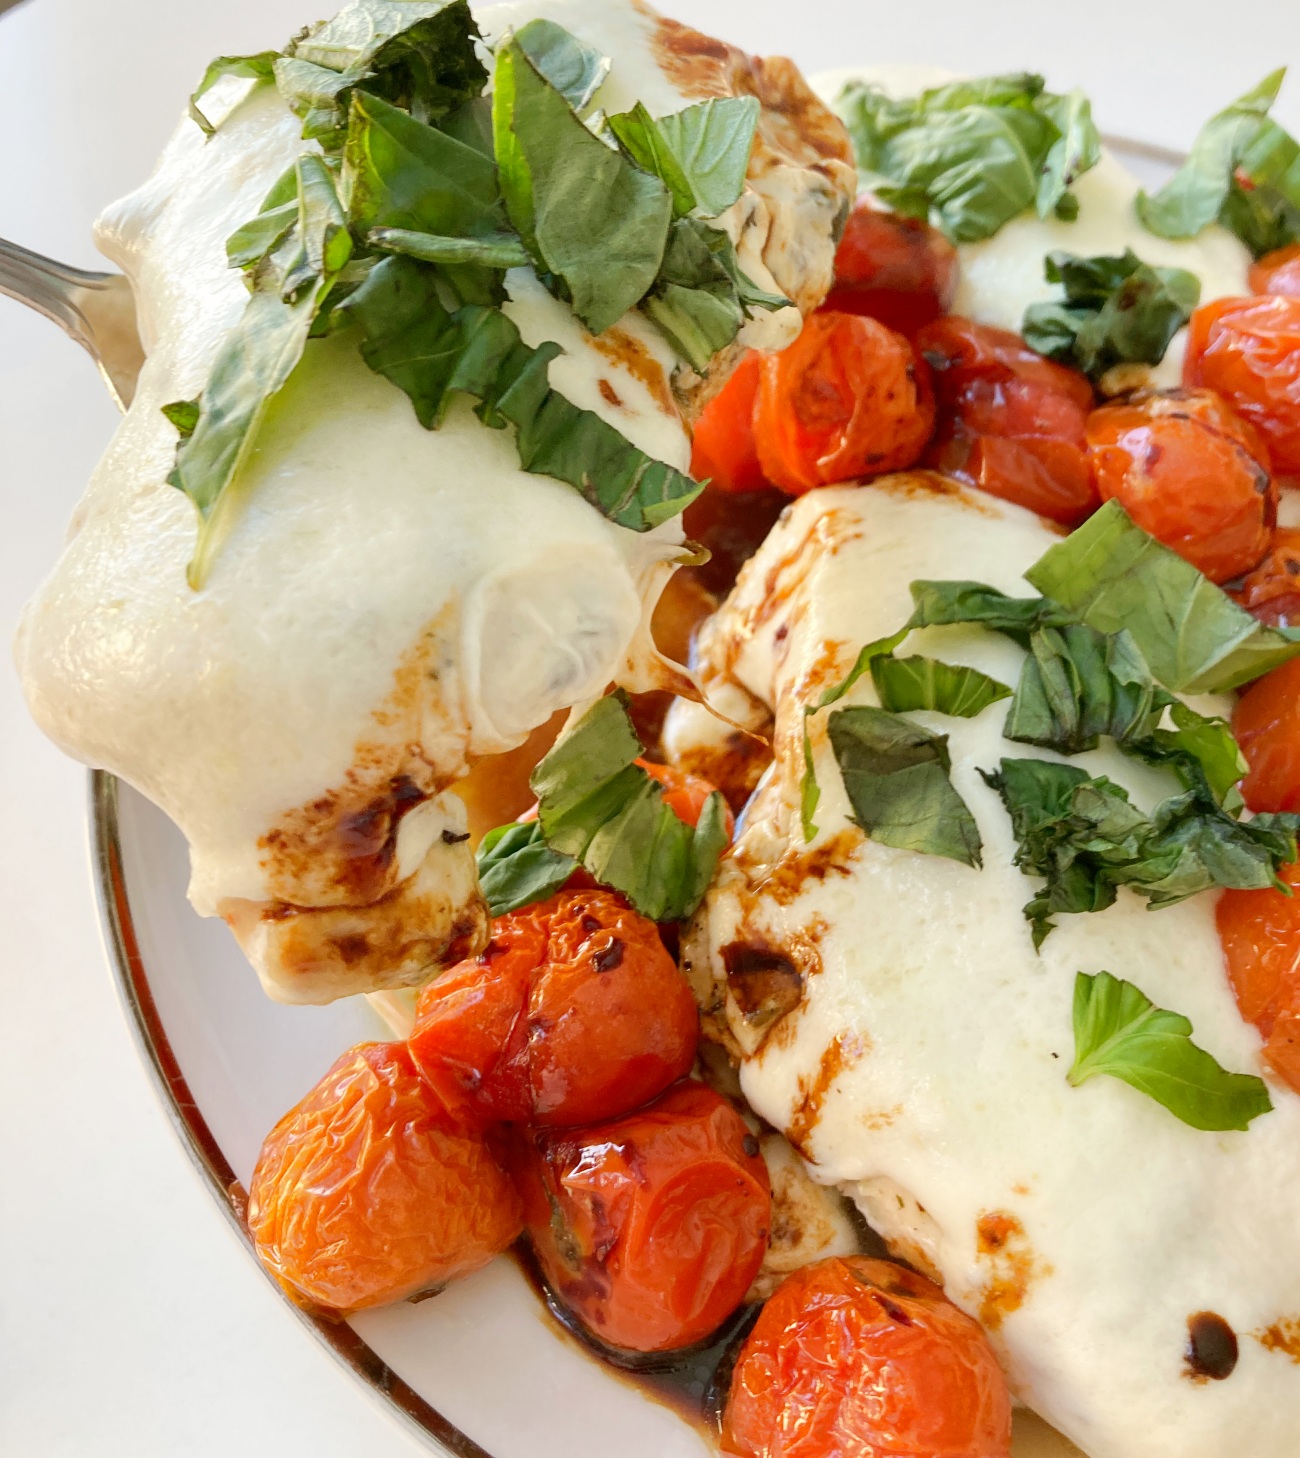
x,y
53,289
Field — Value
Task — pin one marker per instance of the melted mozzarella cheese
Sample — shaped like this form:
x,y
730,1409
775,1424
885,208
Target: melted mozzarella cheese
x,y
924,1068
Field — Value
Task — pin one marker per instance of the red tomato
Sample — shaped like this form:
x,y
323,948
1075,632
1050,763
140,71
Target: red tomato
x,y
685,795
1249,351
848,398
1272,590
1277,272
1009,421
364,1193
859,1358
723,450
1191,473
1266,723
575,1012
650,1229
898,270
1260,931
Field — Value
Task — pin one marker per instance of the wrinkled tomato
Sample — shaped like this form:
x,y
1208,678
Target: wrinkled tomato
x,y
575,1013
1260,931
859,1358
723,451
898,270
1272,591
848,398
365,1193
1266,723
1190,472
1277,272
1249,351
1008,420
649,1229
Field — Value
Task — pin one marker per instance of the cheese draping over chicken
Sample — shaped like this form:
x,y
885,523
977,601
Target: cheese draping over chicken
x,y
392,604
893,1018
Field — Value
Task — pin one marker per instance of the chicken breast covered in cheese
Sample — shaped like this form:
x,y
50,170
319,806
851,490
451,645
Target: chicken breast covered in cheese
x,y
893,1017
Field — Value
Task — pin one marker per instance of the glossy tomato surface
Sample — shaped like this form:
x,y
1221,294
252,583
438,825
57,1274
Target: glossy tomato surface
x,y
365,1192
685,795
723,451
1266,723
1249,351
1260,931
1277,272
849,398
1191,472
1271,591
575,1012
859,1358
898,270
650,1228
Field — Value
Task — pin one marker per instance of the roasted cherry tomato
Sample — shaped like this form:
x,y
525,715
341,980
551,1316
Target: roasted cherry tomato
x,y
1260,931
723,450
1249,351
859,1358
1266,723
685,795
366,1193
898,270
649,1229
1272,591
1277,272
1190,472
848,398
1009,421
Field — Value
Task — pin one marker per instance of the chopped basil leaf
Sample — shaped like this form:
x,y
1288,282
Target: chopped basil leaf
x,y
516,867
1120,1032
251,243
1117,310
937,604
1110,574
1202,752
972,155
701,152
1243,171
810,792
318,97
607,813
260,67
574,68
639,135
590,217
184,415
496,250
907,684
896,777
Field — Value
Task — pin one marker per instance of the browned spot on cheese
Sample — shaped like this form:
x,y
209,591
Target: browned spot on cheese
x,y
627,351
735,766
1001,1241
608,393
764,982
1212,1349
792,875
881,1119
846,1050
1283,1336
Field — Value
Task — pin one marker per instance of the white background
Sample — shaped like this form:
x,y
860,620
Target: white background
x,y
131,1322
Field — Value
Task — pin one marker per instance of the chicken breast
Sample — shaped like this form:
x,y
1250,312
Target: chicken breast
x,y
393,604
893,1018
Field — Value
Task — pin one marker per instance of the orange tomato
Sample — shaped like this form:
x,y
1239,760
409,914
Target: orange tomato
x,y
849,398
722,449
898,270
1272,591
685,795
1008,420
1266,723
1260,931
859,1358
1249,351
651,1228
575,1013
1277,272
364,1193
1191,473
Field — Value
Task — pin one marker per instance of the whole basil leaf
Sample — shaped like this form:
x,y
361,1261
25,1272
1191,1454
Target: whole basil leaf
x,y
896,777
260,67
1110,574
1243,171
1120,1032
516,867
574,68
908,684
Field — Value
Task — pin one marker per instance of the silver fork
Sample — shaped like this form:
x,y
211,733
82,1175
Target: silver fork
x,y
95,309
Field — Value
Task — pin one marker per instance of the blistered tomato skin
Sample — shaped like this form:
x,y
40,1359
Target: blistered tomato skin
x,y
895,269
1266,723
366,1193
849,398
1260,931
1271,591
1277,272
722,447
859,1358
649,1228
1191,472
574,1013
1249,351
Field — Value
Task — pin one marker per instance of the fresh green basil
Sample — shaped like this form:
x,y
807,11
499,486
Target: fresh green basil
x,y
249,244
1201,751
639,135
1116,310
1111,574
575,69
1120,1032
701,153
495,250
598,807
516,867
896,775
1243,171
260,67
940,604
972,155
907,684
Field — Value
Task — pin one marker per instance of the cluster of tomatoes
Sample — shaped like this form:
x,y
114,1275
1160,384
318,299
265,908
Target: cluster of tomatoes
x,y
545,1090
